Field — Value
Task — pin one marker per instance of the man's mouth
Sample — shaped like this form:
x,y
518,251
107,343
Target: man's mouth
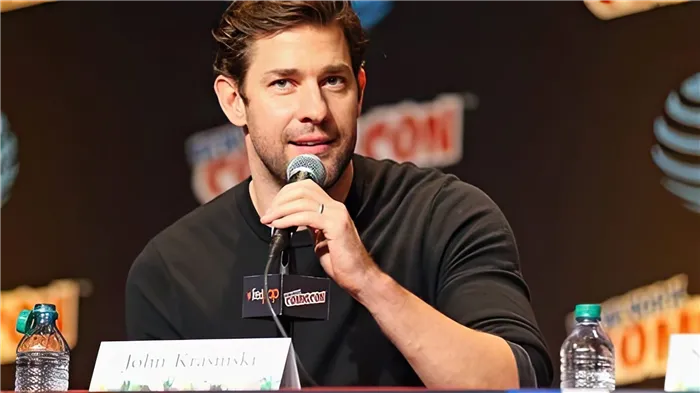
x,y
313,142
312,145
308,143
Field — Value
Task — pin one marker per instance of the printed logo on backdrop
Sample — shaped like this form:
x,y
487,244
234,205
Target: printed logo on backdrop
x,y
610,9
218,161
6,6
371,12
425,133
640,323
65,294
9,167
677,153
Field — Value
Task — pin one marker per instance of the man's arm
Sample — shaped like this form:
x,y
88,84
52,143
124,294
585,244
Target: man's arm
x,y
147,286
444,354
483,333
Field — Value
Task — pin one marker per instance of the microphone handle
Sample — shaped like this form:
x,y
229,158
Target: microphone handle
x,y
287,262
281,237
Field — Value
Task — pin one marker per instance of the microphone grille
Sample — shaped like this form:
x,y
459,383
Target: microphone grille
x,y
310,164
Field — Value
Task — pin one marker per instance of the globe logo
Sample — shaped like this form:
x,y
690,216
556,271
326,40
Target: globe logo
x,y
371,12
8,158
677,153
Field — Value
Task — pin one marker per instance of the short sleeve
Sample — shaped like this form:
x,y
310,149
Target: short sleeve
x,y
148,289
478,281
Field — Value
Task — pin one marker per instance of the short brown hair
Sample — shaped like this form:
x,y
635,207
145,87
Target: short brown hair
x,y
245,21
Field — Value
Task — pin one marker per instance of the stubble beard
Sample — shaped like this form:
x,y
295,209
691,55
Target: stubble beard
x,y
276,163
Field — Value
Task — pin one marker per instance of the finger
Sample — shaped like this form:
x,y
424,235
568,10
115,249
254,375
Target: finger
x,y
318,236
299,190
304,218
321,248
288,208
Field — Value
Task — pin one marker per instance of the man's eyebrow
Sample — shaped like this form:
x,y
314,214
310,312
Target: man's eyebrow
x,y
337,69
287,72
282,72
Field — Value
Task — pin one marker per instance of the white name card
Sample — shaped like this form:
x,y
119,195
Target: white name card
x,y
193,365
683,366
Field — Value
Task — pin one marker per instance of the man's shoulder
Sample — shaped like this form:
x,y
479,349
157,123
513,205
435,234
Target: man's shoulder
x,y
421,184
194,230
204,219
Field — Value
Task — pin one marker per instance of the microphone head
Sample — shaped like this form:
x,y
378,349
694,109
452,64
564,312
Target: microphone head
x,y
310,164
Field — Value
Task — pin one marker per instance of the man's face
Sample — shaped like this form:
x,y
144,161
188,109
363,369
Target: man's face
x,y
303,98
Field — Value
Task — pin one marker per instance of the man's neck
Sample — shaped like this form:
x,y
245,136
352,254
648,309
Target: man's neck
x,y
263,192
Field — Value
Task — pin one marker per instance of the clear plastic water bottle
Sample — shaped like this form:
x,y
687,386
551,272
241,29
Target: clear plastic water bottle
x,y
587,355
43,355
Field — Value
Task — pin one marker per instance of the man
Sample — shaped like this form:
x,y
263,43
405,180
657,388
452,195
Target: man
x,y
426,288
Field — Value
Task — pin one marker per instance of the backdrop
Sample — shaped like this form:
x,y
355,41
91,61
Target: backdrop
x,y
582,121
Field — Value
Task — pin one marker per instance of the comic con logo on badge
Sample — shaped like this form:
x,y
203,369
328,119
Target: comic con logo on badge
x,y
297,298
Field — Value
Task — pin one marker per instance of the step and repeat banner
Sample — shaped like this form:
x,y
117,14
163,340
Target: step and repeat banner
x,y
580,119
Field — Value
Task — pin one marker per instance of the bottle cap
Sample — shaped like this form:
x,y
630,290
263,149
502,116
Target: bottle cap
x,y
587,311
24,321
46,308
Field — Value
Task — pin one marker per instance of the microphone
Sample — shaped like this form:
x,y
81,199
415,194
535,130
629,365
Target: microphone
x,y
285,294
306,166
302,167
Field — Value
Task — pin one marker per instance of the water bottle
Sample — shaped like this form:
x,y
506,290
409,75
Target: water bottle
x,y
43,354
587,355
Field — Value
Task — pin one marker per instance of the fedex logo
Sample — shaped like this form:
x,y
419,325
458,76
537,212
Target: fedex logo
x,y
426,133
610,9
256,295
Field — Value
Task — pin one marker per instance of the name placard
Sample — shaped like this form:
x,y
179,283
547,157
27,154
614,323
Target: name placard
x,y
683,365
195,365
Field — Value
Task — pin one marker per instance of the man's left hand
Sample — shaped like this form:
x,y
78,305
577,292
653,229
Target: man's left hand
x,y
338,245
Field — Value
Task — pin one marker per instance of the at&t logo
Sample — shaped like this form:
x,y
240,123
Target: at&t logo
x,y
677,153
9,166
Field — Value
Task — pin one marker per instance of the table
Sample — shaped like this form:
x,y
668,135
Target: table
x,y
407,390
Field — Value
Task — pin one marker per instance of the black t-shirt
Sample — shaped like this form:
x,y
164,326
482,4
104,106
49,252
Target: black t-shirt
x,y
440,238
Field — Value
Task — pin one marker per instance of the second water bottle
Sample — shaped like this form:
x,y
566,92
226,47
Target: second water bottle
x,y
587,354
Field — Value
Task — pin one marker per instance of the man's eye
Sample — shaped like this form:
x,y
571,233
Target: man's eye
x,y
281,83
335,80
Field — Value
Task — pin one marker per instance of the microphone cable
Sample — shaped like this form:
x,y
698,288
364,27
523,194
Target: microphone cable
x,y
278,244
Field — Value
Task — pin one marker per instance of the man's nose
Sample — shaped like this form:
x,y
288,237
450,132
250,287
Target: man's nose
x,y
313,107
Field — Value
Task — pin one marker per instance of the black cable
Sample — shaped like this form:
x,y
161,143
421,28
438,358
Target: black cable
x,y
276,248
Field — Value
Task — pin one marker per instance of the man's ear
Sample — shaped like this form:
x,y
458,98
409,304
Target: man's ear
x,y
361,83
230,100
